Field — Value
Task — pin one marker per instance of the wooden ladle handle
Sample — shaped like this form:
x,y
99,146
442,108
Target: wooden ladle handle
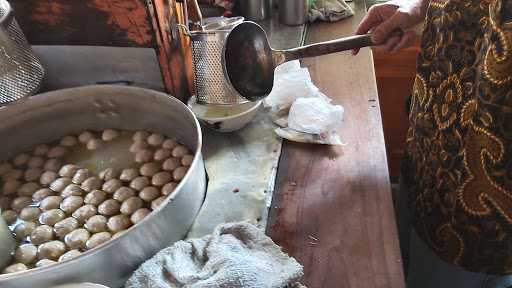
x,y
332,46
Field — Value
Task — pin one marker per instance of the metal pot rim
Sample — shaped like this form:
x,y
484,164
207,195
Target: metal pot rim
x,y
41,99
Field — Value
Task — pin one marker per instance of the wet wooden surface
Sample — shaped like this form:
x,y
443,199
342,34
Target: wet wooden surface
x,y
332,207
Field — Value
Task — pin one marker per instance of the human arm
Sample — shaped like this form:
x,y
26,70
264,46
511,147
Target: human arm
x,y
383,18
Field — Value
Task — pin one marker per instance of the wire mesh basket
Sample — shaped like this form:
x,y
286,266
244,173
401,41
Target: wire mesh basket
x,y
210,82
21,73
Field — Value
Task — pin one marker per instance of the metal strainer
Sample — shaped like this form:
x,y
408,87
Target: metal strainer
x,y
211,84
21,73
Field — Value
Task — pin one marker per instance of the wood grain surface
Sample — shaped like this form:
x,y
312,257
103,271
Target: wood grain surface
x,y
332,208
395,77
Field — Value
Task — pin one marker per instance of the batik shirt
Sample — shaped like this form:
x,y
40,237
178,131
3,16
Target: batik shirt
x,y
458,160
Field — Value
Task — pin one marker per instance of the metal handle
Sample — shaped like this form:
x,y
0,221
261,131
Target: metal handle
x,y
333,46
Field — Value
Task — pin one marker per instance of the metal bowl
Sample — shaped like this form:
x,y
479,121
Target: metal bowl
x,y
49,116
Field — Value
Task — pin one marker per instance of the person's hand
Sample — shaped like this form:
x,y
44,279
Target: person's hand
x,y
382,19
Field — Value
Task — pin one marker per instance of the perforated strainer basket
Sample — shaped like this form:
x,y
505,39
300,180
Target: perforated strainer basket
x,y
211,84
21,73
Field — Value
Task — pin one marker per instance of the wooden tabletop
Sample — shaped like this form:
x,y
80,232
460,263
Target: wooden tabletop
x,y
332,208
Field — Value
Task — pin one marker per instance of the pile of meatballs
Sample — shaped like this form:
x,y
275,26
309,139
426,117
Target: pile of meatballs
x,y
59,210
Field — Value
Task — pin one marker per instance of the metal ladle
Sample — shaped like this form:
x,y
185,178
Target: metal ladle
x,y
249,61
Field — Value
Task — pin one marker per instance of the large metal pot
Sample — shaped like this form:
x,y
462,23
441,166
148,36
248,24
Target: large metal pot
x,y
49,116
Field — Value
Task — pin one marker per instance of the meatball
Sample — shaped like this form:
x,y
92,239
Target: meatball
x,y
117,235
48,177
123,193
41,194
68,170
70,255
11,187
72,190
140,214
50,202
140,136
52,250
66,226
129,174
157,202
28,189
92,183
85,212
155,139
59,184
118,223
20,202
143,156
69,141
14,174
112,185
57,152
96,224
41,150
171,164
71,204
95,197
9,216
161,178
149,193
149,169
169,144
41,234
81,175
21,159
85,136
26,254
162,154
52,165
169,188
51,217
109,135
45,262
18,267
97,239
35,162
179,173
138,146
30,214
139,183
24,229
77,238
4,168
131,205
187,160
94,144
109,174
109,207
179,151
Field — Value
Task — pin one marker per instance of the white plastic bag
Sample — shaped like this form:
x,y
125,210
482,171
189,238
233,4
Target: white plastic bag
x,y
290,83
314,116
301,111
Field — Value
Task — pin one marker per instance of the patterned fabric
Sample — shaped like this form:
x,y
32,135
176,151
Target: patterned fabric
x,y
459,145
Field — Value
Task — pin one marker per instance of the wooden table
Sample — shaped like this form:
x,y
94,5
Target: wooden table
x,y
332,207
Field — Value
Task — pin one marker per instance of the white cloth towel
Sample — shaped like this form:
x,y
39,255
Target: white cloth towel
x,y
235,255
329,10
